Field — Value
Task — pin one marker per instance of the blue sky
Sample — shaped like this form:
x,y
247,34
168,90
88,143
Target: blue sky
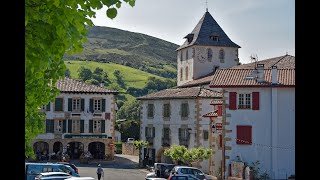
x,y
262,27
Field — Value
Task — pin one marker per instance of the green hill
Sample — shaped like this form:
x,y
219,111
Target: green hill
x,y
135,50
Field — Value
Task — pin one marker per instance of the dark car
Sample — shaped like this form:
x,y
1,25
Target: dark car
x,y
74,167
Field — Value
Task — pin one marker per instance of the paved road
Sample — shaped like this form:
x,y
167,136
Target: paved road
x,y
124,167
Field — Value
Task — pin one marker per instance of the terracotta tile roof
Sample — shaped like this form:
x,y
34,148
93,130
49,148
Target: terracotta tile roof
x,y
236,77
282,62
201,81
75,86
178,93
211,114
216,102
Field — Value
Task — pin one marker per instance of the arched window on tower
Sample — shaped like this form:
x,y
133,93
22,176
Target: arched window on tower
x,y
181,74
187,54
187,73
209,54
181,55
221,55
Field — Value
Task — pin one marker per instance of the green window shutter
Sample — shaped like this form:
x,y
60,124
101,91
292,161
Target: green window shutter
x,y
153,132
150,110
69,104
64,128
82,104
48,107
145,132
187,109
180,133
103,126
90,126
47,126
58,104
91,105
182,110
52,126
69,126
103,105
81,126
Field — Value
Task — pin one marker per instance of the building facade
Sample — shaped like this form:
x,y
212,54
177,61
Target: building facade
x,y
81,119
260,115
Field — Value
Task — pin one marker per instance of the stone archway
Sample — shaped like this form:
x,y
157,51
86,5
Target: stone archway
x,y
161,158
41,149
57,146
75,149
97,149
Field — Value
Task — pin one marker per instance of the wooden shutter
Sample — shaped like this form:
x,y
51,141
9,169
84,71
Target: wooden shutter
x,y
91,105
47,126
107,116
220,140
239,136
81,126
90,126
103,126
180,133
69,126
146,131
244,134
64,126
58,104
232,100
219,110
82,104
153,155
103,105
48,107
153,132
255,100
69,104
249,134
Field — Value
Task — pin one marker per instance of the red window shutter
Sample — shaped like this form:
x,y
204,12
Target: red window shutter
x,y
249,133
255,101
219,110
232,100
239,136
220,138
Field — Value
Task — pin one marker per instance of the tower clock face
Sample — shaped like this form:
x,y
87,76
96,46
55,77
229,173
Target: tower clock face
x,y
201,56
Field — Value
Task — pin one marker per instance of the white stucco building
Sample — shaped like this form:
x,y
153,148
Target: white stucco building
x,y
81,119
259,114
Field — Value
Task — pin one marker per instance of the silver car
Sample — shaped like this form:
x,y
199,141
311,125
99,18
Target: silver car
x,y
53,176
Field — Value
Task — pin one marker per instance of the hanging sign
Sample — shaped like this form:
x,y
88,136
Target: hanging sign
x,y
218,126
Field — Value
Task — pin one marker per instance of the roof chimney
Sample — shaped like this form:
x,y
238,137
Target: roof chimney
x,y
274,75
260,73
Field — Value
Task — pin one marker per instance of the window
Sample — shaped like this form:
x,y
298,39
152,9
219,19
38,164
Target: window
x,y
187,73
244,101
209,54
184,110
49,126
166,133
205,134
244,135
47,169
59,126
221,55
76,126
181,74
97,105
181,57
150,110
193,52
187,57
183,133
166,110
58,105
149,131
96,126
76,104
214,38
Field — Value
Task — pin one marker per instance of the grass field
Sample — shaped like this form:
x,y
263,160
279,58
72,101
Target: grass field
x,y
132,77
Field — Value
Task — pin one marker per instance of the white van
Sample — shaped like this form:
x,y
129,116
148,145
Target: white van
x,y
130,140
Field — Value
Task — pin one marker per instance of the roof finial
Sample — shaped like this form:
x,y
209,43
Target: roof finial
x,y
207,5
287,53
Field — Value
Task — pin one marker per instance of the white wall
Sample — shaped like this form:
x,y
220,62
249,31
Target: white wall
x,y
263,132
84,115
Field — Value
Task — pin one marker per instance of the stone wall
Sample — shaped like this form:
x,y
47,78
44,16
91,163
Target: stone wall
x,y
129,149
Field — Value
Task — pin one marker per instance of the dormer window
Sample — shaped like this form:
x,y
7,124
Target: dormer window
x,y
189,38
214,38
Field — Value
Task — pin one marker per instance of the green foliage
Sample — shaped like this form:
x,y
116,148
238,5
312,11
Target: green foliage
x,y
129,129
119,78
67,73
129,110
92,81
118,146
98,71
181,153
52,29
140,144
255,168
85,73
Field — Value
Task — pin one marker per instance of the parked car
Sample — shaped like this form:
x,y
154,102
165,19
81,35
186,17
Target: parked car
x,y
183,177
34,169
161,170
130,140
81,178
52,176
155,178
184,170
74,167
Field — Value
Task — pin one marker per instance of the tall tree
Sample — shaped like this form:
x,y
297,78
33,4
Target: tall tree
x,y
84,73
53,28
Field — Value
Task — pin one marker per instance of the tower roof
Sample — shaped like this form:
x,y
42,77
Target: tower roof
x,y
205,30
